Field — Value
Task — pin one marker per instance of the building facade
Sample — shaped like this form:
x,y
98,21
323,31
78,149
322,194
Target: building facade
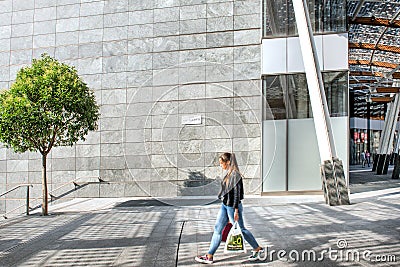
x,y
178,82
154,66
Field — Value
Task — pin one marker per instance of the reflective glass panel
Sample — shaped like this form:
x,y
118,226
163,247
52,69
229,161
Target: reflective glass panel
x,y
335,84
287,95
298,98
334,18
275,18
325,16
274,88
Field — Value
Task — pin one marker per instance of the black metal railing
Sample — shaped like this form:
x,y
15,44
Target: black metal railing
x,y
27,199
78,183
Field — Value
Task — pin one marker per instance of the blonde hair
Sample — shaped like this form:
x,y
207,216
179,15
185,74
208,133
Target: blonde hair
x,y
233,166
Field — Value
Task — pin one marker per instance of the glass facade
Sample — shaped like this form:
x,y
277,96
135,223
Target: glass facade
x,y
288,125
325,15
287,96
289,132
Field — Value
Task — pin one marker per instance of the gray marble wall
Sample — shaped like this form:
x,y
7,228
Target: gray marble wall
x,y
150,63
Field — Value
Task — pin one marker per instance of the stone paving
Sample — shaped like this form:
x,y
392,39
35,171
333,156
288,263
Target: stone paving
x,y
171,232
363,179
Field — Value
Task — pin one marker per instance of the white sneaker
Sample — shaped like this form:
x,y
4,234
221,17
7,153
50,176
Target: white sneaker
x,y
204,259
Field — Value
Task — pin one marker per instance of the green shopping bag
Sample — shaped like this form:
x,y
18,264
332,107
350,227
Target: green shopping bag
x,y
235,240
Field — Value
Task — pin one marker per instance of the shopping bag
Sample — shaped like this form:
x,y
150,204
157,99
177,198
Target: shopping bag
x,y
235,240
225,231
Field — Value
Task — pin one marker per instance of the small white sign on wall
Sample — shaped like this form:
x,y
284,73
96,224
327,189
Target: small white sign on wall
x,y
191,119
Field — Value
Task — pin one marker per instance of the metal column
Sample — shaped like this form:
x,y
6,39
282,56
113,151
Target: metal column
x,y
381,164
396,169
334,183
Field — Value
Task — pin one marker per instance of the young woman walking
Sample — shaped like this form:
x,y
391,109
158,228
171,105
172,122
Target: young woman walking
x,y
231,209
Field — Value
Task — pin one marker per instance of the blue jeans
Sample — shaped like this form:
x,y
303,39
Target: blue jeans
x,y
227,213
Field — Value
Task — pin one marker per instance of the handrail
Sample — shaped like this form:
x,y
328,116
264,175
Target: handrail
x,y
27,197
14,188
74,182
53,198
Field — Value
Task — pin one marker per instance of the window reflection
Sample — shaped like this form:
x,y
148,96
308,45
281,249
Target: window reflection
x,y
325,15
334,16
299,94
335,84
275,18
287,95
274,88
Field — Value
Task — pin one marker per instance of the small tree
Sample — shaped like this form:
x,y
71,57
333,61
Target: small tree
x,y
47,106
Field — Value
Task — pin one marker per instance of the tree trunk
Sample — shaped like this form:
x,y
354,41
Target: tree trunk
x,y
44,186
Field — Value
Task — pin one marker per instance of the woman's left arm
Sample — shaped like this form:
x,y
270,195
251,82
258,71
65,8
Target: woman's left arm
x,y
236,215
236,194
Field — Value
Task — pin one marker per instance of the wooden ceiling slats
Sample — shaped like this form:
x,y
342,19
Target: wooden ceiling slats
x,y
372,21
373,63
382,99
388,89
380,47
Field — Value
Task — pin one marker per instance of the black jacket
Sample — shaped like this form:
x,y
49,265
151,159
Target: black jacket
x,y
232,194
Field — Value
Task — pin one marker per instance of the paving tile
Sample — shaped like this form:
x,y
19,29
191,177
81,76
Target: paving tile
x,y
136,232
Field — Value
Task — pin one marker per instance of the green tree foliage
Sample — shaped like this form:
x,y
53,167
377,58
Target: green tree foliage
x,y
47,106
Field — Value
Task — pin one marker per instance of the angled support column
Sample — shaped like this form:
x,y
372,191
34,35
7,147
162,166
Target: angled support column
x,y
396,169
381,164
333,180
